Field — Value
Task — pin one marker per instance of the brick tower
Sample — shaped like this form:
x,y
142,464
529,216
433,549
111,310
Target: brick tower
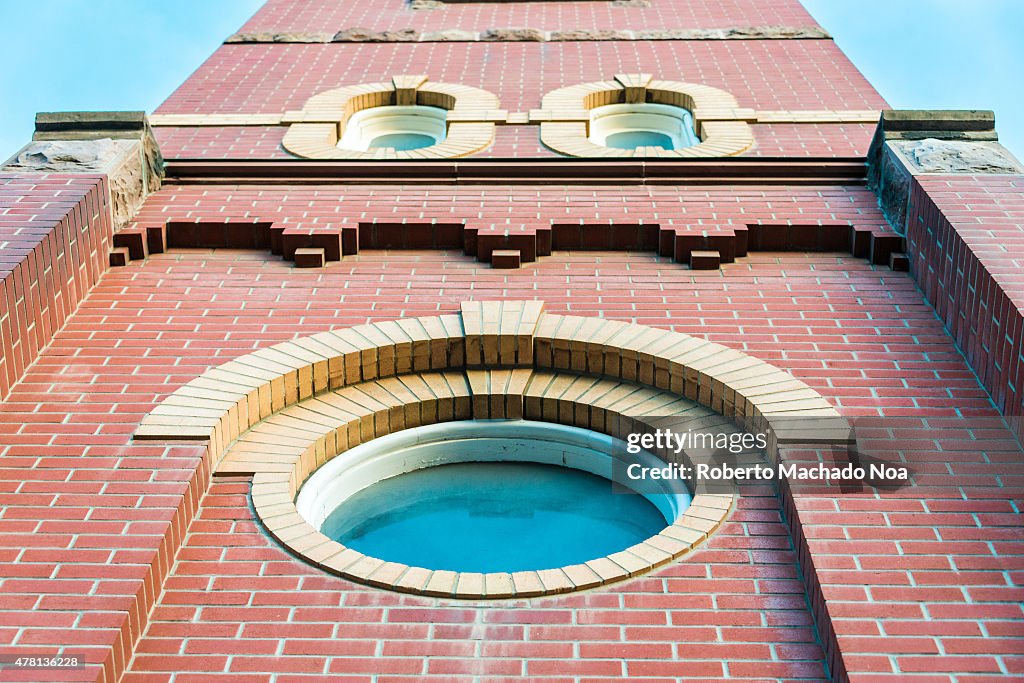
x,y
558,200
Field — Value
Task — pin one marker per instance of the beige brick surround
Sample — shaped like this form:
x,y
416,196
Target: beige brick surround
x,y
280,413
314,130
720,122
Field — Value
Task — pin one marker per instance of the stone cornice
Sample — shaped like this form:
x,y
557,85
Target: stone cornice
x,y
511,34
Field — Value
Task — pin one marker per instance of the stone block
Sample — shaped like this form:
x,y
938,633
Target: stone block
x,y
903,123
119,144
913,142
512,35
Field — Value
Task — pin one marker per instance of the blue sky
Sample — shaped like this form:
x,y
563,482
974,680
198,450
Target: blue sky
x,y
937,54
102,54
130,54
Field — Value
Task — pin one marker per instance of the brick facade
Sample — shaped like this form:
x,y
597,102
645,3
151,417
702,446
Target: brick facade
x,y
134,554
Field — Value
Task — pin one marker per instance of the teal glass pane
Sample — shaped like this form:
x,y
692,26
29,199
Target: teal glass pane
x,y
402,142
492,517
638,138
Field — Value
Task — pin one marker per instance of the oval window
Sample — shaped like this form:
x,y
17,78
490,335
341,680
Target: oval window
x,y
401,128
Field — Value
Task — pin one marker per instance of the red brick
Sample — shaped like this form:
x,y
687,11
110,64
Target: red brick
x,y
704,260
505,258
309,257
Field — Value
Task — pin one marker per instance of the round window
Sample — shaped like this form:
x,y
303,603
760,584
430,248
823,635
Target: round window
x,y
401,128
629,126
487,496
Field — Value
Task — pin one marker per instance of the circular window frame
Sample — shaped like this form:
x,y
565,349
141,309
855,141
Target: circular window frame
x,y
315,130
289,446
416,448
720,124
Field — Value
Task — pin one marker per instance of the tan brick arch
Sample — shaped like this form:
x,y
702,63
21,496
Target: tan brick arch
x,y
280,413
314,131
721,123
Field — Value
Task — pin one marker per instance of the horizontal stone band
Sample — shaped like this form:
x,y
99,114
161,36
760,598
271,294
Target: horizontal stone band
x,y
409,35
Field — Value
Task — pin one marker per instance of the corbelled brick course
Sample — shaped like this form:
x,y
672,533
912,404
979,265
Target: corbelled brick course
x,y
518,209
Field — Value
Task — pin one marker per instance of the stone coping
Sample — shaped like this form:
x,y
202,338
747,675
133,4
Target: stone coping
x,y
279,413
314,130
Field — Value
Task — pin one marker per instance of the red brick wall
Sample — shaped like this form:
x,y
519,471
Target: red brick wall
x,y
238,605
965,238
862,336
520,142
94,522
911,584
55,233
105,542
763,74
